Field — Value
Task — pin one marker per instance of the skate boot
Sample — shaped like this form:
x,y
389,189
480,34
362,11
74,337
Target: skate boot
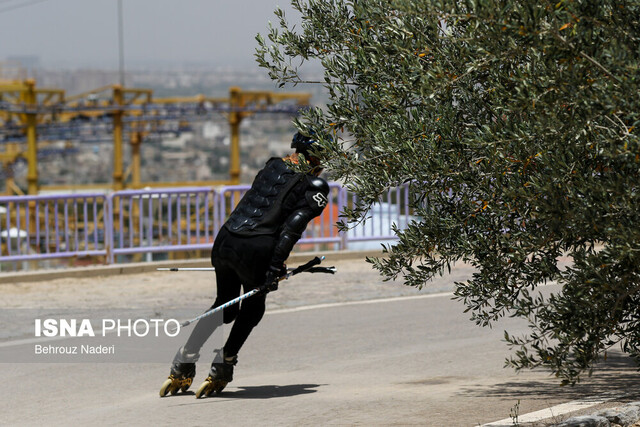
x,y
220,375
183,369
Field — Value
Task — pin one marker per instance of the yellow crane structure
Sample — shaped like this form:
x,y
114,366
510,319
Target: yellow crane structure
x,y
36,115
26,94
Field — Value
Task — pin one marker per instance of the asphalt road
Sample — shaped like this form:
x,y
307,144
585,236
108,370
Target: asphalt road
x,y
412,359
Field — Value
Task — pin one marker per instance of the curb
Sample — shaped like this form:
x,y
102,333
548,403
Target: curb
x,y
146,267
624,416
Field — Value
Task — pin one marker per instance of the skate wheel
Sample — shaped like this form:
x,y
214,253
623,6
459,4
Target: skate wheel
x,y
165,387
174,390
202,390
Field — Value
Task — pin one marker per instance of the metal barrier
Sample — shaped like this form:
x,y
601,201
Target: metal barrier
x,y
393,208
147,221
44,227
167,220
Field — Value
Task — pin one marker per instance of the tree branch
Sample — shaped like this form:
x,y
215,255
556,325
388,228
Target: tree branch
x,y
588,58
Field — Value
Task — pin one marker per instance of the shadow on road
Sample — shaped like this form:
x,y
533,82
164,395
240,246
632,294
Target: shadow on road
x,y
252,392
617,376
270,391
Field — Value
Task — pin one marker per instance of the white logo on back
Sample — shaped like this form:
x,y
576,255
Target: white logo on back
x,y
320,199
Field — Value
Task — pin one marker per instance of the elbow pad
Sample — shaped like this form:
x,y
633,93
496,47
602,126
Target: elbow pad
x,y
291,233
316,200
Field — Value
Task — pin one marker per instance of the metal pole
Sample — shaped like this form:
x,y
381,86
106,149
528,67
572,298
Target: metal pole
x,y
221,307
118,99
135,141
235,117
32,139
121,42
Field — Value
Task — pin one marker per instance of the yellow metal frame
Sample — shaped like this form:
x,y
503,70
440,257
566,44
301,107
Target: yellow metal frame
x,y
26,93
238,100
115,99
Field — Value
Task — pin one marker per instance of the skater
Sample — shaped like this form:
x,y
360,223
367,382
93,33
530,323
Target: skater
x,y
250,251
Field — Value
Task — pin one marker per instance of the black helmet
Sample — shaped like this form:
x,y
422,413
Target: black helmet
x,y
302,143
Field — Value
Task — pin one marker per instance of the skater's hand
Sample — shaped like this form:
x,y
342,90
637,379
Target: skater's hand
x,y
271,279
283,270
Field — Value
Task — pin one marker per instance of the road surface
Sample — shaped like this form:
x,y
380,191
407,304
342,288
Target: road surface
x,y
344,349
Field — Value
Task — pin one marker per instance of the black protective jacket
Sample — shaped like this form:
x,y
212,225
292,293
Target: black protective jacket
x,y
280,204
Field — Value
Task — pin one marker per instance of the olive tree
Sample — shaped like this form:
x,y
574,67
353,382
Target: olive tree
x,y
515,124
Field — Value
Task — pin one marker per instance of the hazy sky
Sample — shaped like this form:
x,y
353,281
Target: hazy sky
x,y
85,32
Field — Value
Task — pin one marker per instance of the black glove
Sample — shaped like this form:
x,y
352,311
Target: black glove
x,y
272,278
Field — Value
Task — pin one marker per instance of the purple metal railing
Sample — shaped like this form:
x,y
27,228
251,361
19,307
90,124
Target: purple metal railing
x,y
393,208
43,227
165,220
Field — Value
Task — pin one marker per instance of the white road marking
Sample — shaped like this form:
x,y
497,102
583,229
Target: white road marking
x,y
372,301
553,411
283,311
369,301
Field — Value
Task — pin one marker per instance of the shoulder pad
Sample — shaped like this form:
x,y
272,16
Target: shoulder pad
x,y
319,184
317,194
